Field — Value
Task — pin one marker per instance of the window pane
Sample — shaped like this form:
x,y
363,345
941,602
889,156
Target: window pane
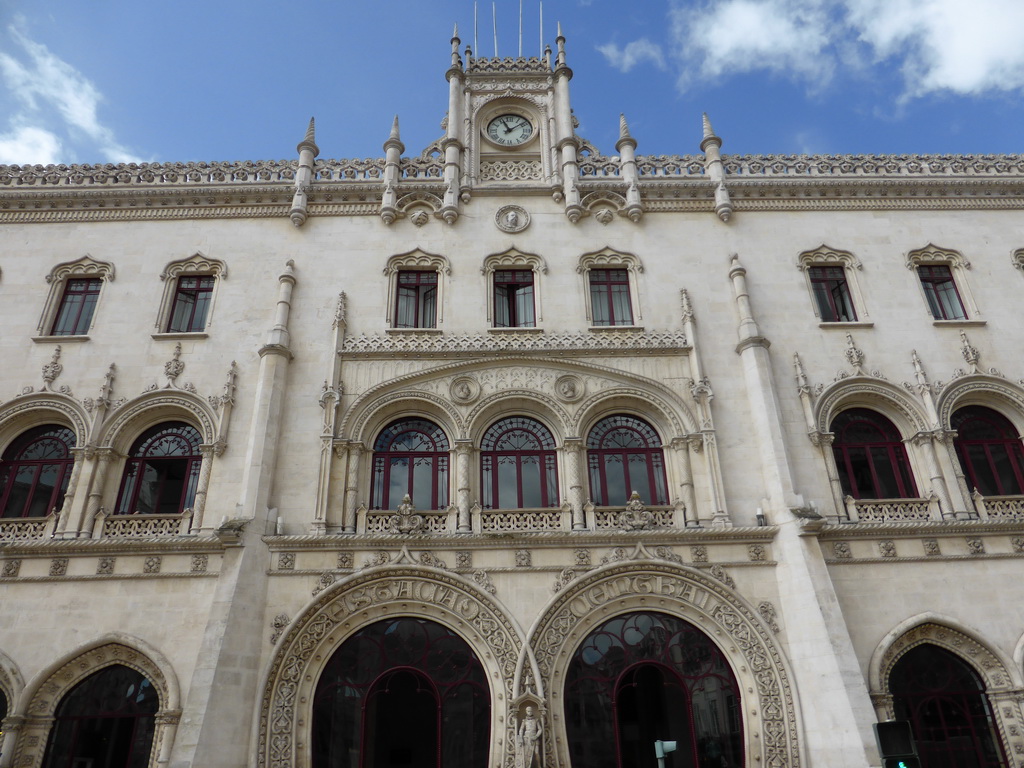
x,y
502,308
524,307
398,483
406,314
422,483
487,482
508,496
883,465
530,467
600,304
428,316
183,305
951,308
821,296
20,490
45,486
615,479
620,305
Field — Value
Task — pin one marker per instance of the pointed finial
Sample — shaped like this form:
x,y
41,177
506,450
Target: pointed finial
x,y
311,130
706,123
710,139
623,126
455,34
559,24
394,130
309,140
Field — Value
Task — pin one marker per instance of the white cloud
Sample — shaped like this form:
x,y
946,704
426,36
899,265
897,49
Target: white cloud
x,y
627,57
44,79
28,146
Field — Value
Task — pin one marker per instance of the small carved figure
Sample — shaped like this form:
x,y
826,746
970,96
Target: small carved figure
x,y
512,219
528,741
567,388
406,520
463,390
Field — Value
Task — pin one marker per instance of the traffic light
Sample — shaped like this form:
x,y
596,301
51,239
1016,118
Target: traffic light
x,y
896,744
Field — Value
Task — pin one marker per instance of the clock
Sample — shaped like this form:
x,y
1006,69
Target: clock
x,y
509,130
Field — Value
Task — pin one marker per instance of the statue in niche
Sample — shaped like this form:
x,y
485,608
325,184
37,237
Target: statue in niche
x,y
528,741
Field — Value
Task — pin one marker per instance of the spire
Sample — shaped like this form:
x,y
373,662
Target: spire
x,y
394,130
709,134
394,141
559,24
309,140
455,33
623,127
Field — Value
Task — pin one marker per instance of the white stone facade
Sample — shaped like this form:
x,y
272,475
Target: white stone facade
x,y
233,607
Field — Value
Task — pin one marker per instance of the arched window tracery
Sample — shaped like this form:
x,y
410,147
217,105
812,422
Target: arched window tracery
x,y
518,466
950,715
35,471
162,471
871,457
410,456
106,721
989,450
402,670
645,676
624,454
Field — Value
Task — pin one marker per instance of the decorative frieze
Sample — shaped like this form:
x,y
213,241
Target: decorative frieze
x,y
475,344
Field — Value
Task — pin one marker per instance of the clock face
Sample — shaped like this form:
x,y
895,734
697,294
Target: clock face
x,y
509,130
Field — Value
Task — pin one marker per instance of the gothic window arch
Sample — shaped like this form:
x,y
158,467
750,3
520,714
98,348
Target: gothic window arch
x,y
870,456
942,276
161,474
75,290
990,452
108,720
611,288
190,290
624,454
945,701
518,465
35,471
410,456
643,676
831,276
409,670
514,289
416,288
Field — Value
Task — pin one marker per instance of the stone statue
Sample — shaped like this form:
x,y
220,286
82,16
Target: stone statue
x,y
528,741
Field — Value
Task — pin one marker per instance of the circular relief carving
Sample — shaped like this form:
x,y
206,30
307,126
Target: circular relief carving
x,y
512,218
570,388
464,390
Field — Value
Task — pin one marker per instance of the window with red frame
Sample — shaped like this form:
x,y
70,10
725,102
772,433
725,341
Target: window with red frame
x,y
513,298
410,457
77,304
941,292
832,294
106,721
624,454
416,301
871,457
990,451
35,470
518,466
162,472
609,297
191,304
950,715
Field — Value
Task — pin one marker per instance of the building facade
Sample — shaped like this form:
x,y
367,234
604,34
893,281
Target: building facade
x,y
512,453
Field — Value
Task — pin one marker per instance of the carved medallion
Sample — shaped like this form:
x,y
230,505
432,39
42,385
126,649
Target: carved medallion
x,y
570,388
464,390
512,218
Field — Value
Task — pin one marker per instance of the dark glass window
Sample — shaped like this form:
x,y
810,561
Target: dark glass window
x,y
410,457
518,465
191,304
832,294
624,455
74,315
609,297
990,451
416,302
402,693
646,676
871,457
949,713
162,471
513,298
940,290
35,470
106,721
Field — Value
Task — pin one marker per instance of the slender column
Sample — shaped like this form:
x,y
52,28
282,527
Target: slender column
x,y
207,451
824,442
166,730
450,145
67,506
393,149
926,440
463,451
103,457
12,726
565,137
308,150
573,447
626,147
681,447
348,514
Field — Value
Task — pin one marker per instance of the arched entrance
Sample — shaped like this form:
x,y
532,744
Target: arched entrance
x,y
402,693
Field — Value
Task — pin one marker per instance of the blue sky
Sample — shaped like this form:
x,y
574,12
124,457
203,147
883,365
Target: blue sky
x,y
120,81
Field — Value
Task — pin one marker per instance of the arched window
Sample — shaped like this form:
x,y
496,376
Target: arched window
x,y
410,457
106,721
646,676
35,470
517,465
949,713
162,471
411,674
990,451
624,455
871,457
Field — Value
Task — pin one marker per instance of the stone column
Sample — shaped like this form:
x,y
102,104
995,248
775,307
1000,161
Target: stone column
x,y
103,457
67,504
938,482
573,448
824,442
348,513
463,451
681,446
207,451
166,729
12,726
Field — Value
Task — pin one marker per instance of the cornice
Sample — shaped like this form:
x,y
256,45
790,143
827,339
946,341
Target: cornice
x,y
64,547
914,529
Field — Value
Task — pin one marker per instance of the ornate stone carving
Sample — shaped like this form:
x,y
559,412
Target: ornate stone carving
x,y
345,560
767,611
326,579
463,344
1018,543
405,520
12,567
200,563
756,552
464,389
570,388
464,559
429,558
105,566
931,547
635,516
841,549
699,554
720,573
52,369
279,624
512,218
887,548
524,558
286,561
564,578
483,580
152,564
58,566
582,556
511,170
976,546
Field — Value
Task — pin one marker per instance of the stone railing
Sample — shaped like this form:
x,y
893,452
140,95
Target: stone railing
x,y
610,519
146,174
421,168
598,167
892,510
434,343
872,165
506,521
998,507
28,528
140,525
649,166
380,522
